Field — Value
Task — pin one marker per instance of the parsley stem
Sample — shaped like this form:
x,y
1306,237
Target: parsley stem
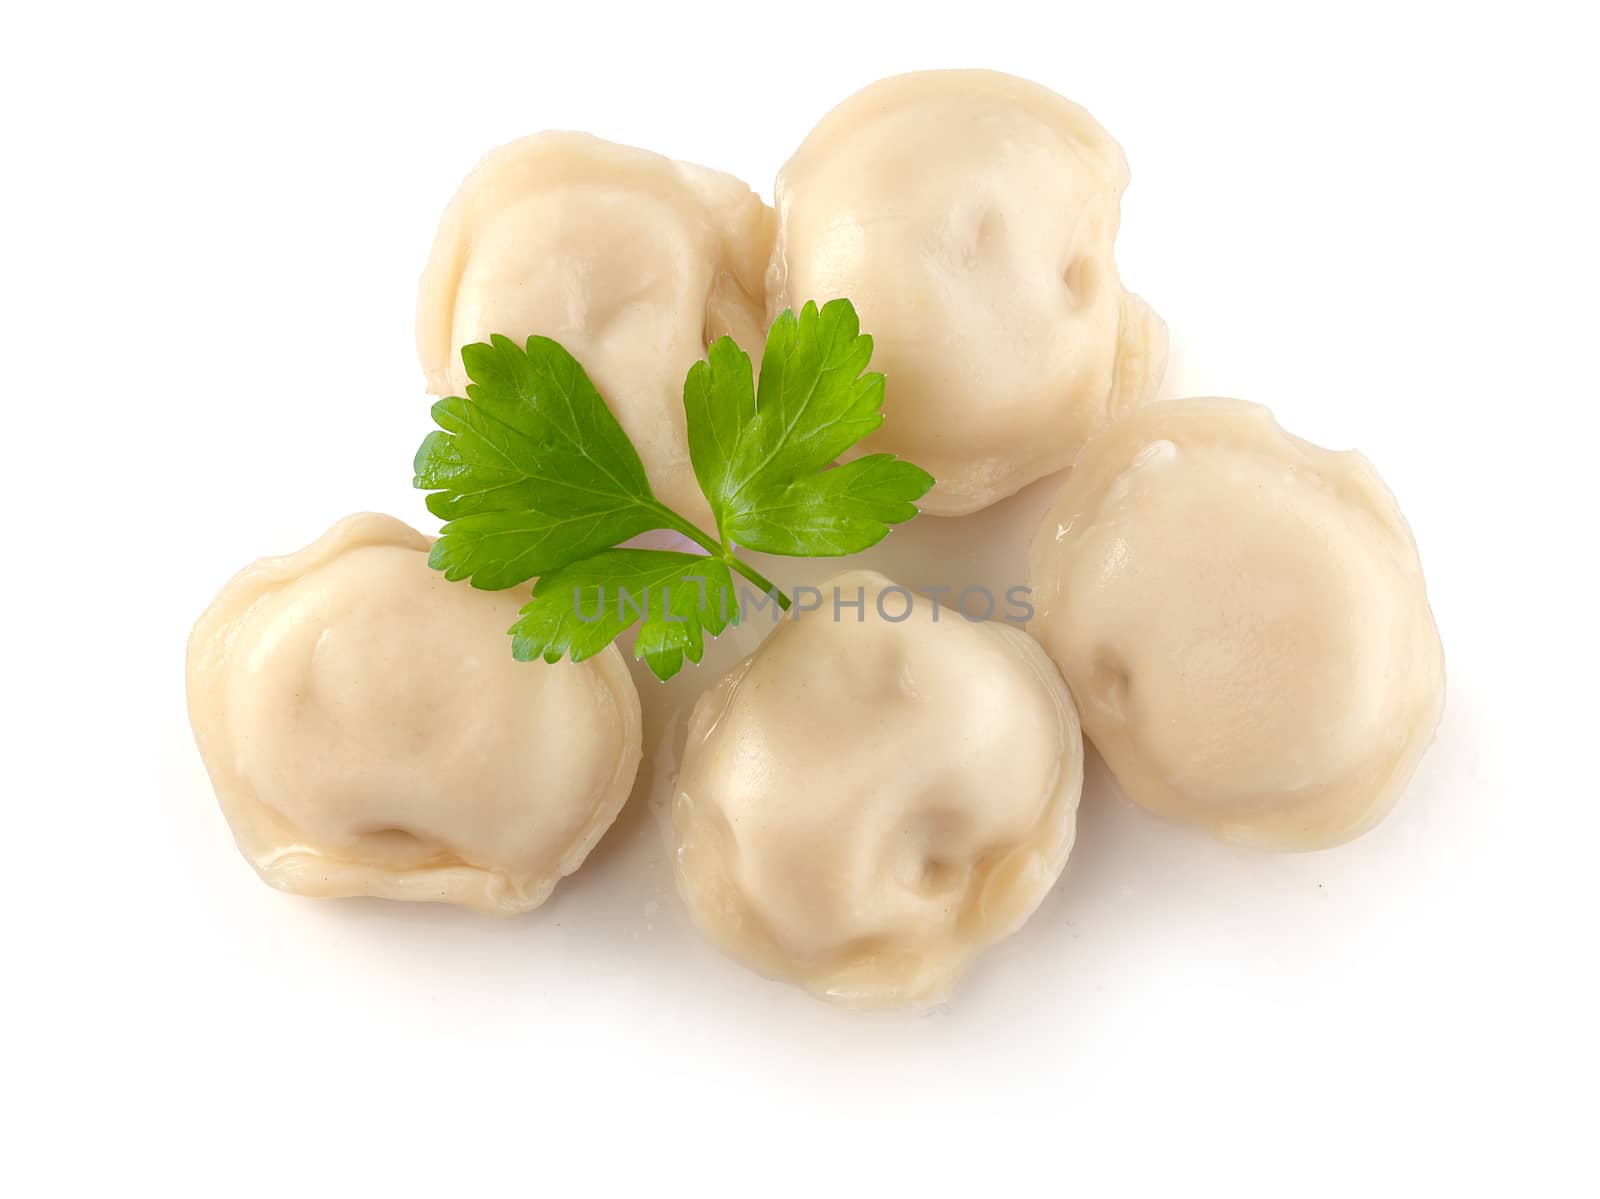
x,y
725,552
768,587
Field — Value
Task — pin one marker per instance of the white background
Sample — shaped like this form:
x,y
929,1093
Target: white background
x,y
1379,221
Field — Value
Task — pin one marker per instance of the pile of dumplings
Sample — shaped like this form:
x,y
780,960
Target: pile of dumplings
x,y
1235,618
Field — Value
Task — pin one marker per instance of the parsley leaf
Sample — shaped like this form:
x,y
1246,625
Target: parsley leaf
x,y
535,471
763,454
583,608
535,477
834,512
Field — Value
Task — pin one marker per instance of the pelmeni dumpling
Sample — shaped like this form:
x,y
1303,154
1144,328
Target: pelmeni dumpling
x,y
871,798
1242,617
368,732
632,261
970,216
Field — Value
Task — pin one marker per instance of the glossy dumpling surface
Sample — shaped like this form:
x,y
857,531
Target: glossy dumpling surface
x,y
1243,621
865,804
631,261
368,732
970,216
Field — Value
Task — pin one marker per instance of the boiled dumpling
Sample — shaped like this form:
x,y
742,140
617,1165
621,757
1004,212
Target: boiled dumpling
x,y
970,216
368,732
1243,621
632,261
866,802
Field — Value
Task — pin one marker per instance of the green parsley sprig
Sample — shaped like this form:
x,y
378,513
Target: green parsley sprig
x,y
536,479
